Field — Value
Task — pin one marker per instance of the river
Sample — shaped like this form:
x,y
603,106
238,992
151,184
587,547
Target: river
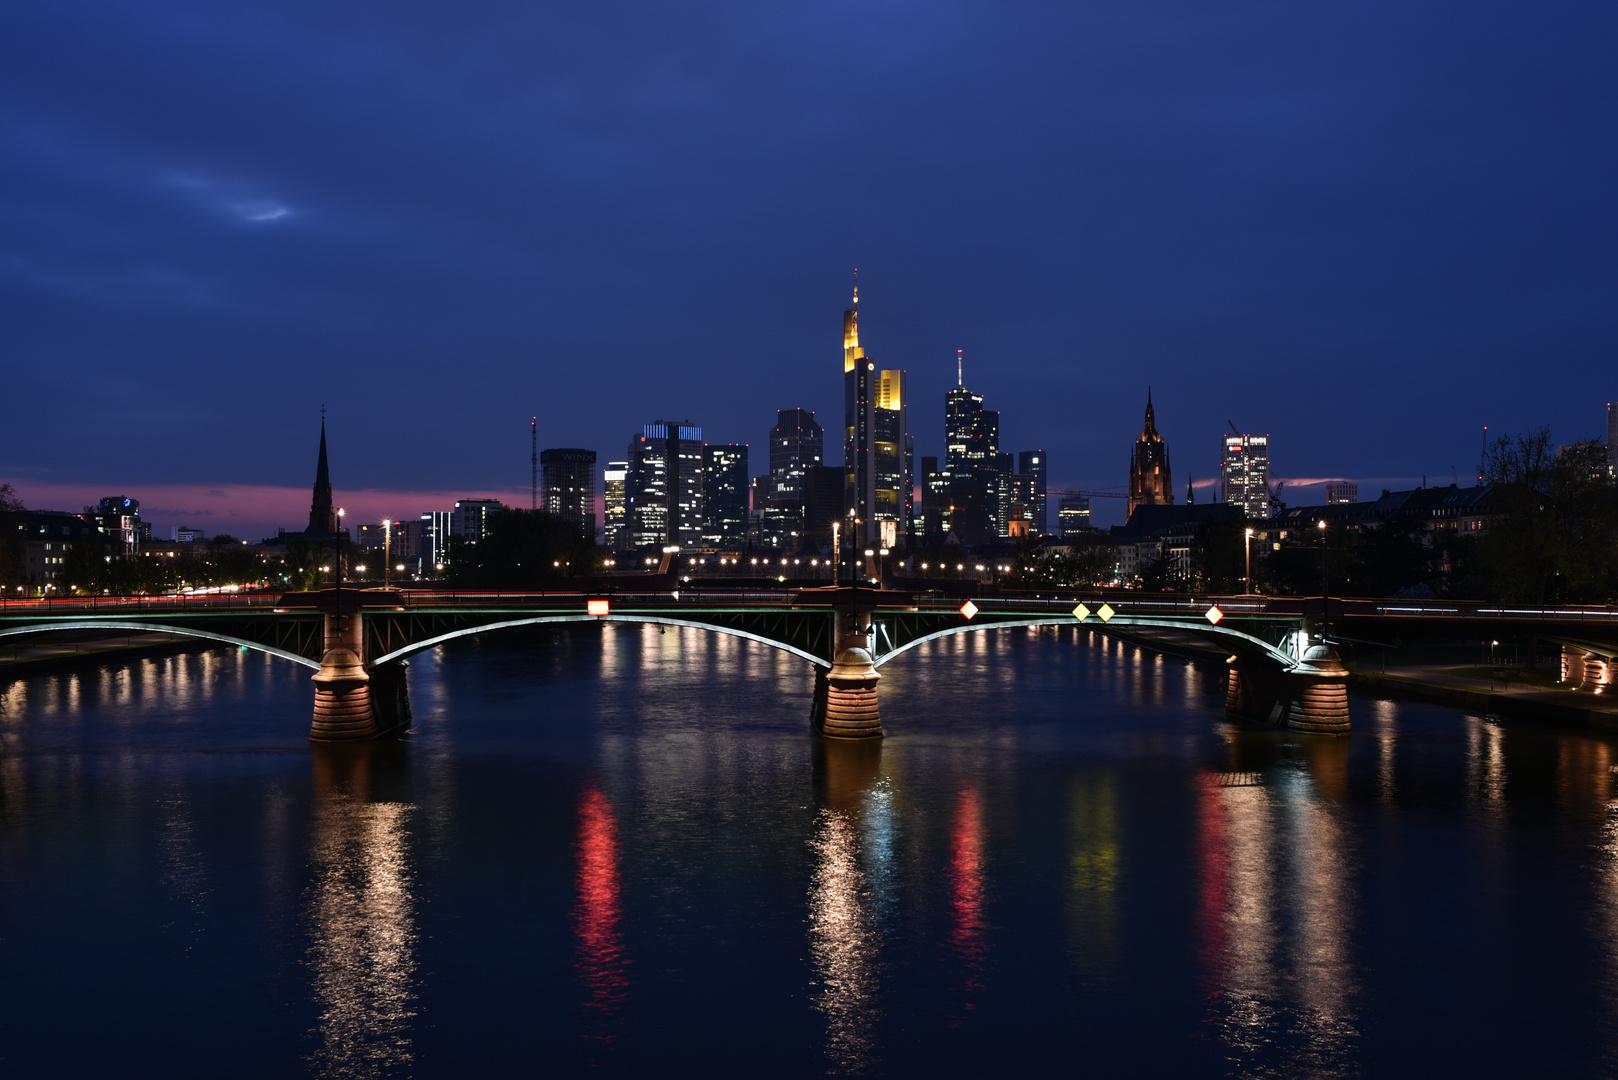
x,y
617,849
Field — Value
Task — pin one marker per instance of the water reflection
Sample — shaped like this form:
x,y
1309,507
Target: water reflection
x,y
1275,916
361,915
967,927
597,918
1092,819
851,844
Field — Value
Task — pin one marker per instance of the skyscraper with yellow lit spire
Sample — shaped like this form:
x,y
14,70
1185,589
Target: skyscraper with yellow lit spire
x,y
877,453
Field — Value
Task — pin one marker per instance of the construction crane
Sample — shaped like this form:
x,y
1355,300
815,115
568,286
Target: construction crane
x,y
1088,494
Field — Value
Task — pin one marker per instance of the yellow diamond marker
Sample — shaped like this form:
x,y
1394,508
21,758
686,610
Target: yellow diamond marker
x,y
969,609
1081,613
1214,615
1106,612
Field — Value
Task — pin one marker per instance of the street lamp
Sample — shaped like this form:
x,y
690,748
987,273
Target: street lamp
x,y
1248,549
1325,593
340,513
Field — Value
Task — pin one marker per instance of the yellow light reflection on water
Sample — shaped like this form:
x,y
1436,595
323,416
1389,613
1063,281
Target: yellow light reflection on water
x,y
361,916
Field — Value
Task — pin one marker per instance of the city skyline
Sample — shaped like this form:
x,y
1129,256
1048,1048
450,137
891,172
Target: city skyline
x,y
1324,221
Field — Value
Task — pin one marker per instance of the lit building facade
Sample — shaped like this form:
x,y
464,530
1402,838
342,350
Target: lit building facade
x,y
468,517
878,456
568,486
797,444
1341,492
118,518
1612,439
1150,483
434,540
1244,474
615,506
664,485
1073,516
895,459
973,463
859,426
725,494
1031,464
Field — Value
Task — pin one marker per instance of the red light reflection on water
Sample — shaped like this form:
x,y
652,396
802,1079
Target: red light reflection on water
x,y
966,892
601,964
1213,857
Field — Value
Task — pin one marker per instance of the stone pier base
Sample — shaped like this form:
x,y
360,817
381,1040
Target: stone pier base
x,y
342,699
1311,696
343,708
1586,670
845,705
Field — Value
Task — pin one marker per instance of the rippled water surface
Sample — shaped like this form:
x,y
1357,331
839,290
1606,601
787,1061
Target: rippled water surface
x,y
619,850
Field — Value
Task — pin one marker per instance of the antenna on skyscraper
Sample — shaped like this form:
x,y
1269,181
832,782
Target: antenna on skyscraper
x,y
533,463
958,381
856,286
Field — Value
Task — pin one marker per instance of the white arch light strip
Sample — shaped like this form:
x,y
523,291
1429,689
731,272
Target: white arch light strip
x,y
421,646
108,624
1200,630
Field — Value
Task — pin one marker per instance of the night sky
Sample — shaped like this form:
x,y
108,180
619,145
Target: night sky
x,y
1367,229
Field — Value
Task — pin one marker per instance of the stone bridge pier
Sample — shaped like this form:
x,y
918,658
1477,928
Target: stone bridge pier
x,y
1310,696
845,705
353,700
1587,670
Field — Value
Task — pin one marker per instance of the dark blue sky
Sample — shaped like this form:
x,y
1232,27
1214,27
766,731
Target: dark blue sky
x,y
1366,229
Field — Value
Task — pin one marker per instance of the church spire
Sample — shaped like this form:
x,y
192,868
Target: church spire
x,y
1151,417
321,519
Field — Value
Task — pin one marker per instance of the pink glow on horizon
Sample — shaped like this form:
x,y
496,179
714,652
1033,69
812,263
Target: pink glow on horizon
x,y
250,511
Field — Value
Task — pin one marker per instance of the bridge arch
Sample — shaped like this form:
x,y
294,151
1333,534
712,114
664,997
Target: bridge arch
x,y
160,628
1242,644
433,642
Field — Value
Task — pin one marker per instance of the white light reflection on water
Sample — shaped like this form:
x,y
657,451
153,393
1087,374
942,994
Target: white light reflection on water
x,y
1275,917
850,889
361,916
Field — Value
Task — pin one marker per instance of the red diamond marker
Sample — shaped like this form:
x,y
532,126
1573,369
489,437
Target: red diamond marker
x,y
1214,615
969,609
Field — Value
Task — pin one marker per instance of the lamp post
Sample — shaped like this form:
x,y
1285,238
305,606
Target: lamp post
x,y
387,550
340,513
1325,593
1247,548
836,550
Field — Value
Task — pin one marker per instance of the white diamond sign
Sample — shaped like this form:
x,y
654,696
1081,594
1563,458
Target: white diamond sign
x,y
969,609
1106,612
1081,613
1214,614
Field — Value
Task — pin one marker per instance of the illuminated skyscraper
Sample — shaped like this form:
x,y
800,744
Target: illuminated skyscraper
x,y
1244,471
1073,516
797,444
724,494
972,460
568,477
1149,481
877,455
859,424
664,485
1612,439
615,506
1031,466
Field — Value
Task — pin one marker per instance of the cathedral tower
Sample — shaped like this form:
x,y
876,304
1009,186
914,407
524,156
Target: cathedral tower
x,y
1149,481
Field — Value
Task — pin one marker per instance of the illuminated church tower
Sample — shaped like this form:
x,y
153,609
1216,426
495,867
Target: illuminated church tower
x,y
1149,481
